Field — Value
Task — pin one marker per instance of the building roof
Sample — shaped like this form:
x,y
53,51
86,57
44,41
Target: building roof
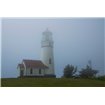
x,y
34,64
21,65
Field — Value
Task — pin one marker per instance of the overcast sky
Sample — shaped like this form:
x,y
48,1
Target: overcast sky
x,y
0,47
76,40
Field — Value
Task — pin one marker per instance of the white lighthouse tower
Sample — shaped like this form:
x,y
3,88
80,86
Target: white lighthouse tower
x,y
47,56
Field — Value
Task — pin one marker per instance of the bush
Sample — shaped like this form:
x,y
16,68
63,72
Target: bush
x,y
101,78
88,72
69,71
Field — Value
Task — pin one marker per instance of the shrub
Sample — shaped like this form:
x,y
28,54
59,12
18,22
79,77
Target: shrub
x,y
88,72
69,71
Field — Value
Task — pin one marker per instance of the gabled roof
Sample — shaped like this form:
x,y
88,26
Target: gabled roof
x,y
21,65
34,64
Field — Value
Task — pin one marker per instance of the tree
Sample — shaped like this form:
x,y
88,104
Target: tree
x,y
69,71
88,72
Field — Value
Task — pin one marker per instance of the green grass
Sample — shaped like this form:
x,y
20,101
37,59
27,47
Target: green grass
x,y
51,82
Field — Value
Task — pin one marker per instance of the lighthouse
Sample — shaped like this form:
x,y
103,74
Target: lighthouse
x,y
43,67
47,55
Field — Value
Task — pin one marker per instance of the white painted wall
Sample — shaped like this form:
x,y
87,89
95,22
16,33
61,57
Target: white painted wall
x,y
47,51
25,72
46,54
19,70
35,72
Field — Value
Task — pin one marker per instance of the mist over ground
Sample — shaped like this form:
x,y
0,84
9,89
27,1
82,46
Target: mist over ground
x,y
76,40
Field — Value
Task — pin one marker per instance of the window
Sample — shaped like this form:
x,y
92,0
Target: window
x,y
39,71
50,61
31,71
21,73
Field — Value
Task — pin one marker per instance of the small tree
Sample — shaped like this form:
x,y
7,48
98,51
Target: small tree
x,y
69,71
88,72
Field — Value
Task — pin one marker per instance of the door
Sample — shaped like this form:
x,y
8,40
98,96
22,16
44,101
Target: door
x,y
21,73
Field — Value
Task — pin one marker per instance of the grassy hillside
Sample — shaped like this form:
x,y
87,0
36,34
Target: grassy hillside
x,y
51,82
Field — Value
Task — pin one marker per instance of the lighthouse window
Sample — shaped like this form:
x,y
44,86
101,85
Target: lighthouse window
x,y
31,71
39,71
50,61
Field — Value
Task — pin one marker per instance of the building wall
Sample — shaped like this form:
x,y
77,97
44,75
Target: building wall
x,y
19,71
34,72
46,55
24,68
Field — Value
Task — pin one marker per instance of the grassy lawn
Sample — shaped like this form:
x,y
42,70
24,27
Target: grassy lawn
x,y
51,82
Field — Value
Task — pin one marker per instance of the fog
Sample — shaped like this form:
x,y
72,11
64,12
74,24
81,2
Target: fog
x,y
76,41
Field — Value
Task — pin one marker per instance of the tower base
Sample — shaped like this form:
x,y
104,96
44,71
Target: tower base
x,y
45,76
50,75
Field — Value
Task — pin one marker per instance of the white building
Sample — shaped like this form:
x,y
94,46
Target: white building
x,y
32,68
43,67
